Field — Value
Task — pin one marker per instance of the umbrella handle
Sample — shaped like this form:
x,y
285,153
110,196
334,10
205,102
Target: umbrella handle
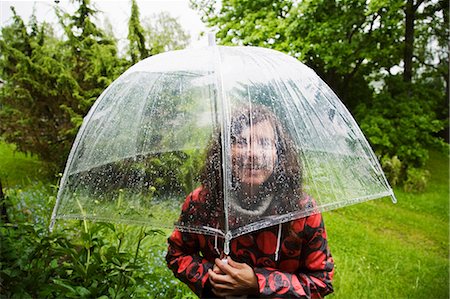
x,y
226,245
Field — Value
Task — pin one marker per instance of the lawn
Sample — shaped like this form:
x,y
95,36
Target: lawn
x,y
386,250
381,249
17,168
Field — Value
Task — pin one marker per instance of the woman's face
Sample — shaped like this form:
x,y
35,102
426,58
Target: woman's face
x,y
254,154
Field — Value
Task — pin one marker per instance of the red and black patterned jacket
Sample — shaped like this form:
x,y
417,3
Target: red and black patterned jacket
x,y
304,268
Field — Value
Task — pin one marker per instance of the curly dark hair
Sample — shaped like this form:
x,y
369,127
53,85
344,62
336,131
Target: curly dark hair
x,y
286,180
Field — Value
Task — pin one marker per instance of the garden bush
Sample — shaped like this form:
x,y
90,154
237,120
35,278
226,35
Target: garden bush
x,y
79,259
402,126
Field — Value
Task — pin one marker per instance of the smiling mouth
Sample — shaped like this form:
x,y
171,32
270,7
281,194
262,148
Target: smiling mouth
x,y
253,166
253,170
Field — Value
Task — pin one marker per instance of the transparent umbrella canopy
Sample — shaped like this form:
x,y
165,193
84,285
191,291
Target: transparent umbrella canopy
x,y
252,132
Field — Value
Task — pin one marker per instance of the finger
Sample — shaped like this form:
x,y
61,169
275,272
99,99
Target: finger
x,y
224,267
218,278
234,264
212,275
217,270
211,279
219,289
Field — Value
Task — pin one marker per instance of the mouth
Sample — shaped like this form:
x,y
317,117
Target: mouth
x,y
252,166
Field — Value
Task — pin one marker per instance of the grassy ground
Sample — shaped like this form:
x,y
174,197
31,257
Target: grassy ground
x,y
385,250
381,249
16,168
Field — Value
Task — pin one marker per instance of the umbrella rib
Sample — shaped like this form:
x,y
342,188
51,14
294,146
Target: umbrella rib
x,y
290,113
71,156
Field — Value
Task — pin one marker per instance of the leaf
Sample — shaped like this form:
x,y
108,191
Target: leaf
x,y
54,264
64,285
82,291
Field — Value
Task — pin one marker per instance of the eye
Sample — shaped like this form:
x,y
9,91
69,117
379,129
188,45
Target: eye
x,y
241,142
265,143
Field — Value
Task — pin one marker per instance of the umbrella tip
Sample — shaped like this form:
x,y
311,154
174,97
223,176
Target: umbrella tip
x,y
211,39
393,198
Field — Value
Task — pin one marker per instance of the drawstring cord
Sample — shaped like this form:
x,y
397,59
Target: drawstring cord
x,y
278,242
215,244
215,241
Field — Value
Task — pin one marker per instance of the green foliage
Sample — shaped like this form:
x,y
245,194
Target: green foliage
x,y
49,84
416,180
401,122
253,23
343,41
43,264
137,46
164,33
357,47
79,259
175,170
31,68
92,58
393,169
346,42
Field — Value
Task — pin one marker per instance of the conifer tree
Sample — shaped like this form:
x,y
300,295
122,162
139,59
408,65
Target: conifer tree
x,y
136,36
50,83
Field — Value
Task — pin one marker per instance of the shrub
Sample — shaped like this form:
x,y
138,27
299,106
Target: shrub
x,y
416,180
393,169
80,259
401,122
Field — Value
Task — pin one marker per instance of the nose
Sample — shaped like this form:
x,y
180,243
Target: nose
x,y
255,153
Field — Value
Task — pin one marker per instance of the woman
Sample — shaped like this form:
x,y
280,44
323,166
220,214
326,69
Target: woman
x,y
290,260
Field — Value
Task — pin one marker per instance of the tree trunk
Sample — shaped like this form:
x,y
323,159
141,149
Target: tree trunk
x,y
410,16
409,41
3,213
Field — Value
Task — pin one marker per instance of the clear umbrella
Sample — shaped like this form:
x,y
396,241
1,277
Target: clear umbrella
x,y
254,131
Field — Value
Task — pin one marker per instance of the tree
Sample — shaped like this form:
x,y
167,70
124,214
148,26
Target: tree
x,y
358,47
93,56
50,83
164,33
430,56
136,36
243,22
342,41
31,67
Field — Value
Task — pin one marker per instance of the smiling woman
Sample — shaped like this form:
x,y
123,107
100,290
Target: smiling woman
x,y
289,260
254,154
263,160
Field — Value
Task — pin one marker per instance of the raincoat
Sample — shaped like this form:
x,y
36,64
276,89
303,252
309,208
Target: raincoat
x,y
291,260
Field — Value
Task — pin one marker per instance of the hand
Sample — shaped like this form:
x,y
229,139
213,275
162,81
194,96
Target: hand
x,y
217,270
233,278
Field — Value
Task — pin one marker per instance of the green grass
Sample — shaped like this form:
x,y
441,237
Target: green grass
x,y
386,250
17,168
